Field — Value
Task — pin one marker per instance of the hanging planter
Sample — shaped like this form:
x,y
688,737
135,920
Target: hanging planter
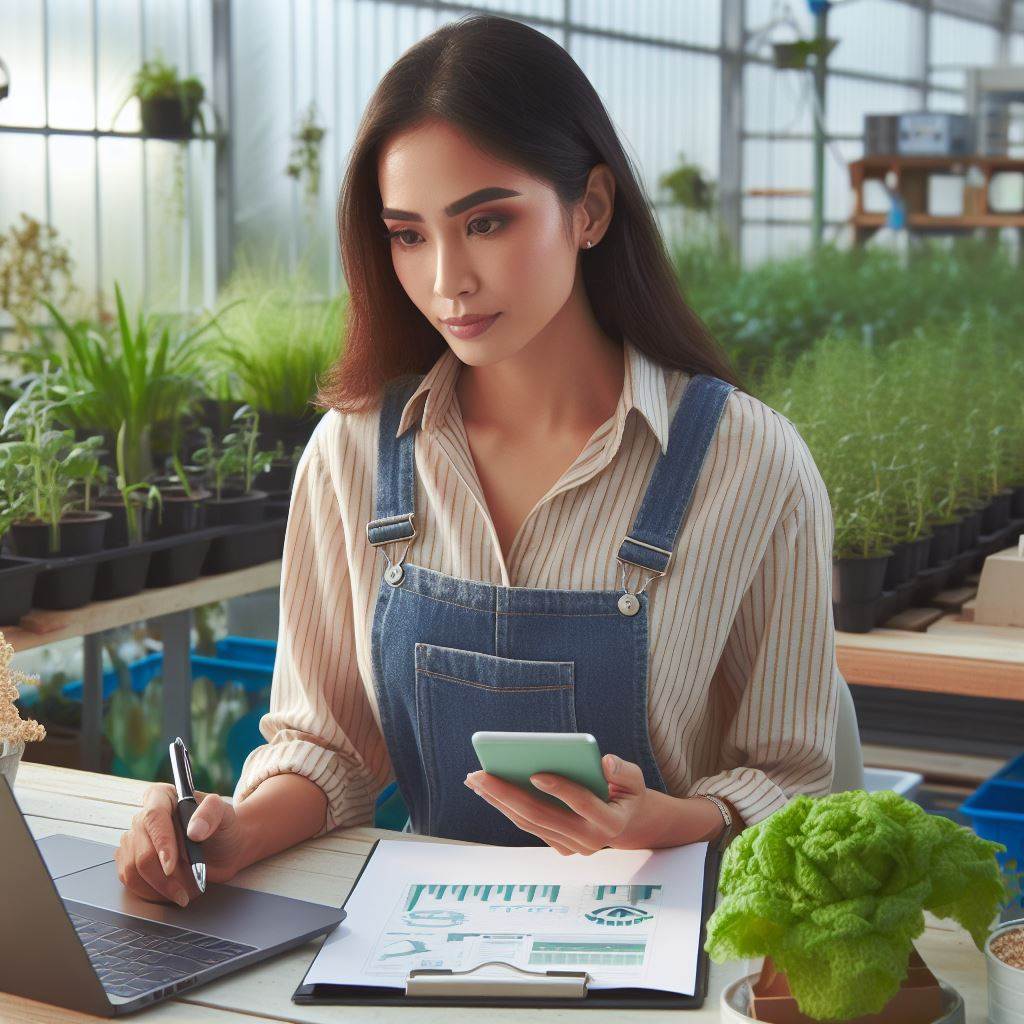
x,y
169,106
797,54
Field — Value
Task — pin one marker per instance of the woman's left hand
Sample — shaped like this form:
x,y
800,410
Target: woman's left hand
x,y
634,818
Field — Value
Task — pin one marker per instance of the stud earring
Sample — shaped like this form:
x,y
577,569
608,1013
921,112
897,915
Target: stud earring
x,y
590,242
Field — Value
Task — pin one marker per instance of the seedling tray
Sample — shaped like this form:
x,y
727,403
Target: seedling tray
x,y
65,583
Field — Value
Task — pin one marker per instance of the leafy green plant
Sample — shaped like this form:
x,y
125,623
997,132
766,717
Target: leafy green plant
x,y
834,888
13,500
236,455
143,377
48,461
275,342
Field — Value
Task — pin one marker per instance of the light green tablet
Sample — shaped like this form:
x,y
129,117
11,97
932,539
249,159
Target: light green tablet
x,y
515,756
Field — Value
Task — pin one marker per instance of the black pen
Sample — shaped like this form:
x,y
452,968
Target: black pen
x,y
181,767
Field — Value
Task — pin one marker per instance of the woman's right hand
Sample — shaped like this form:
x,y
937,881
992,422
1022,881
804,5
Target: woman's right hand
x,y
151,860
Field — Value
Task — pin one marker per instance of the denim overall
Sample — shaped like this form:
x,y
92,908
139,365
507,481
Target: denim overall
x,y
451,656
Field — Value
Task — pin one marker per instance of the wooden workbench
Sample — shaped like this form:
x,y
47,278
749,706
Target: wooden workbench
x,y
100,807
953,655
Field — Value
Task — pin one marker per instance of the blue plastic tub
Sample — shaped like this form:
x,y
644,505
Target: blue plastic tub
x,y
253,676
244,648
996,812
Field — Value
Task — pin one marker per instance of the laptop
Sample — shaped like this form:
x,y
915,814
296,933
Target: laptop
x,y
87,942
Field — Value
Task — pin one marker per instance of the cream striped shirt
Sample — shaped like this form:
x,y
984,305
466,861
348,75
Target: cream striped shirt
x,y
742,672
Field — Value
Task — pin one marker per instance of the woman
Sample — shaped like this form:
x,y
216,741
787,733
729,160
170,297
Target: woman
x,y
585,523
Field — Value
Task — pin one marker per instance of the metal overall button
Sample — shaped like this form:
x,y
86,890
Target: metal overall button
x,y
394,574
628,604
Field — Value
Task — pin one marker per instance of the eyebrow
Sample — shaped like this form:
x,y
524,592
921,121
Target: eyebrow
x,y
482,195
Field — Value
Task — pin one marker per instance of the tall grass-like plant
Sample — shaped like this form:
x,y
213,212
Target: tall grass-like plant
x,y
907,436
275,341
141,376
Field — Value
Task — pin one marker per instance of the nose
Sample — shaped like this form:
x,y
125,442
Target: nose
x,y
454,275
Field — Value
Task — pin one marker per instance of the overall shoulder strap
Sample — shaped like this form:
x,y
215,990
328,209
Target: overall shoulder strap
x,y
396,468
650,542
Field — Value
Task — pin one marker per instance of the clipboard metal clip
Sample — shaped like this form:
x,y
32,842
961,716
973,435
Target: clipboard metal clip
x,y
428,981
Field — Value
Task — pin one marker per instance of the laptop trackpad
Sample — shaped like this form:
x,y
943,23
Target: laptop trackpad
x,y
229,911
64,854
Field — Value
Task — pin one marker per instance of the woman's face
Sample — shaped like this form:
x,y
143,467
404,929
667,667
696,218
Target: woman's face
x,y
507,254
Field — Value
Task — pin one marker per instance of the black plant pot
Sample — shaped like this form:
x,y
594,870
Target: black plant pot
x,y
17,582
898,566
970,527
117,529
1017,502
856,618
278,477
181,563
945,542
236,508
919,549
996,514
242,549
181,513
122,577
857,581
81,533
168,117
287,429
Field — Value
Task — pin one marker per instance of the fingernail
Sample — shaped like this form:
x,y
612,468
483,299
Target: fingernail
x,y
166,861
541,783
613,762
198,829
181,899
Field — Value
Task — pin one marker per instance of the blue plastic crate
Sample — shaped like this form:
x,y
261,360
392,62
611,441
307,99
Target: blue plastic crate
x,y
254,677
245,648
996,811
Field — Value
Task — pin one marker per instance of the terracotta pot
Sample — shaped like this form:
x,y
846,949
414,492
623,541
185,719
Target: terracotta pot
x,y
921,999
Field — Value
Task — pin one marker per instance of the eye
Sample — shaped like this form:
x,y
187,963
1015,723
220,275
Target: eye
x,y
499,221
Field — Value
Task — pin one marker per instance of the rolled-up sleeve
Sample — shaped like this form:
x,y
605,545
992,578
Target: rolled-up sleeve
x,y
320,724
778,673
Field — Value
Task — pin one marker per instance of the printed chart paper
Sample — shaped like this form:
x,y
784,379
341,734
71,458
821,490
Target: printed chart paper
x,y
631,918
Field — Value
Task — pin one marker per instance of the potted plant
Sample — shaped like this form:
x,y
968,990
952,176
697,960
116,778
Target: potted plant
x,y
48,463
15,732
182,496
276,343
278,477
235,459
17,575
168,105
144,375
832,891
795,55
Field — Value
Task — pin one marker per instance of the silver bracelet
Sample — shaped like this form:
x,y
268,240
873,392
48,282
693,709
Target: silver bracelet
x,y
722,806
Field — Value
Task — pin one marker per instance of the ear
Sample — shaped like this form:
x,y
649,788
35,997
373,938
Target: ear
x,y
597,205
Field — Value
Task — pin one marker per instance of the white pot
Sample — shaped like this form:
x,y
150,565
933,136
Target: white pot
x,y
1005,983
736,999
10,758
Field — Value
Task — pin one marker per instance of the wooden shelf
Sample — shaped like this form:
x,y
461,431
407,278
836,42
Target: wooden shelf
x,y
44,627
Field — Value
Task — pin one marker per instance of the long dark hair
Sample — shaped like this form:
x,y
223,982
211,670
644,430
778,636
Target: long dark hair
x,y
520,97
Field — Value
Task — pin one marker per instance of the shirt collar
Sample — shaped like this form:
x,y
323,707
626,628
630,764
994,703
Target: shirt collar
x,y
643,389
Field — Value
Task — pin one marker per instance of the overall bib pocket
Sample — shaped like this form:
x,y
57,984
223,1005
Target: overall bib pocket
x,y
459,692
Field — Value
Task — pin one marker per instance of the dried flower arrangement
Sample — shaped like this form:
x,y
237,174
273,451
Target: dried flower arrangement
x,y
14,729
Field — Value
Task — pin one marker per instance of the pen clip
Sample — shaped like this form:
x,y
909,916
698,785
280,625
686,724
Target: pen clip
x,y
181,768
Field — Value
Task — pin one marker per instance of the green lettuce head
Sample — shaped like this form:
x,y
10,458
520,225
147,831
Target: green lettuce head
x,y
833,889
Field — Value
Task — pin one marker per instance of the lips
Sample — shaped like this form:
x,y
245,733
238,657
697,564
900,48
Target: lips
x,y
465,321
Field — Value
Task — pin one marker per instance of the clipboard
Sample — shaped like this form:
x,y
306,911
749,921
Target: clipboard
x,y
519,986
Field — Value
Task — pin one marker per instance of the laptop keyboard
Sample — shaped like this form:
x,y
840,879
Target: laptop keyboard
x,y
130,962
